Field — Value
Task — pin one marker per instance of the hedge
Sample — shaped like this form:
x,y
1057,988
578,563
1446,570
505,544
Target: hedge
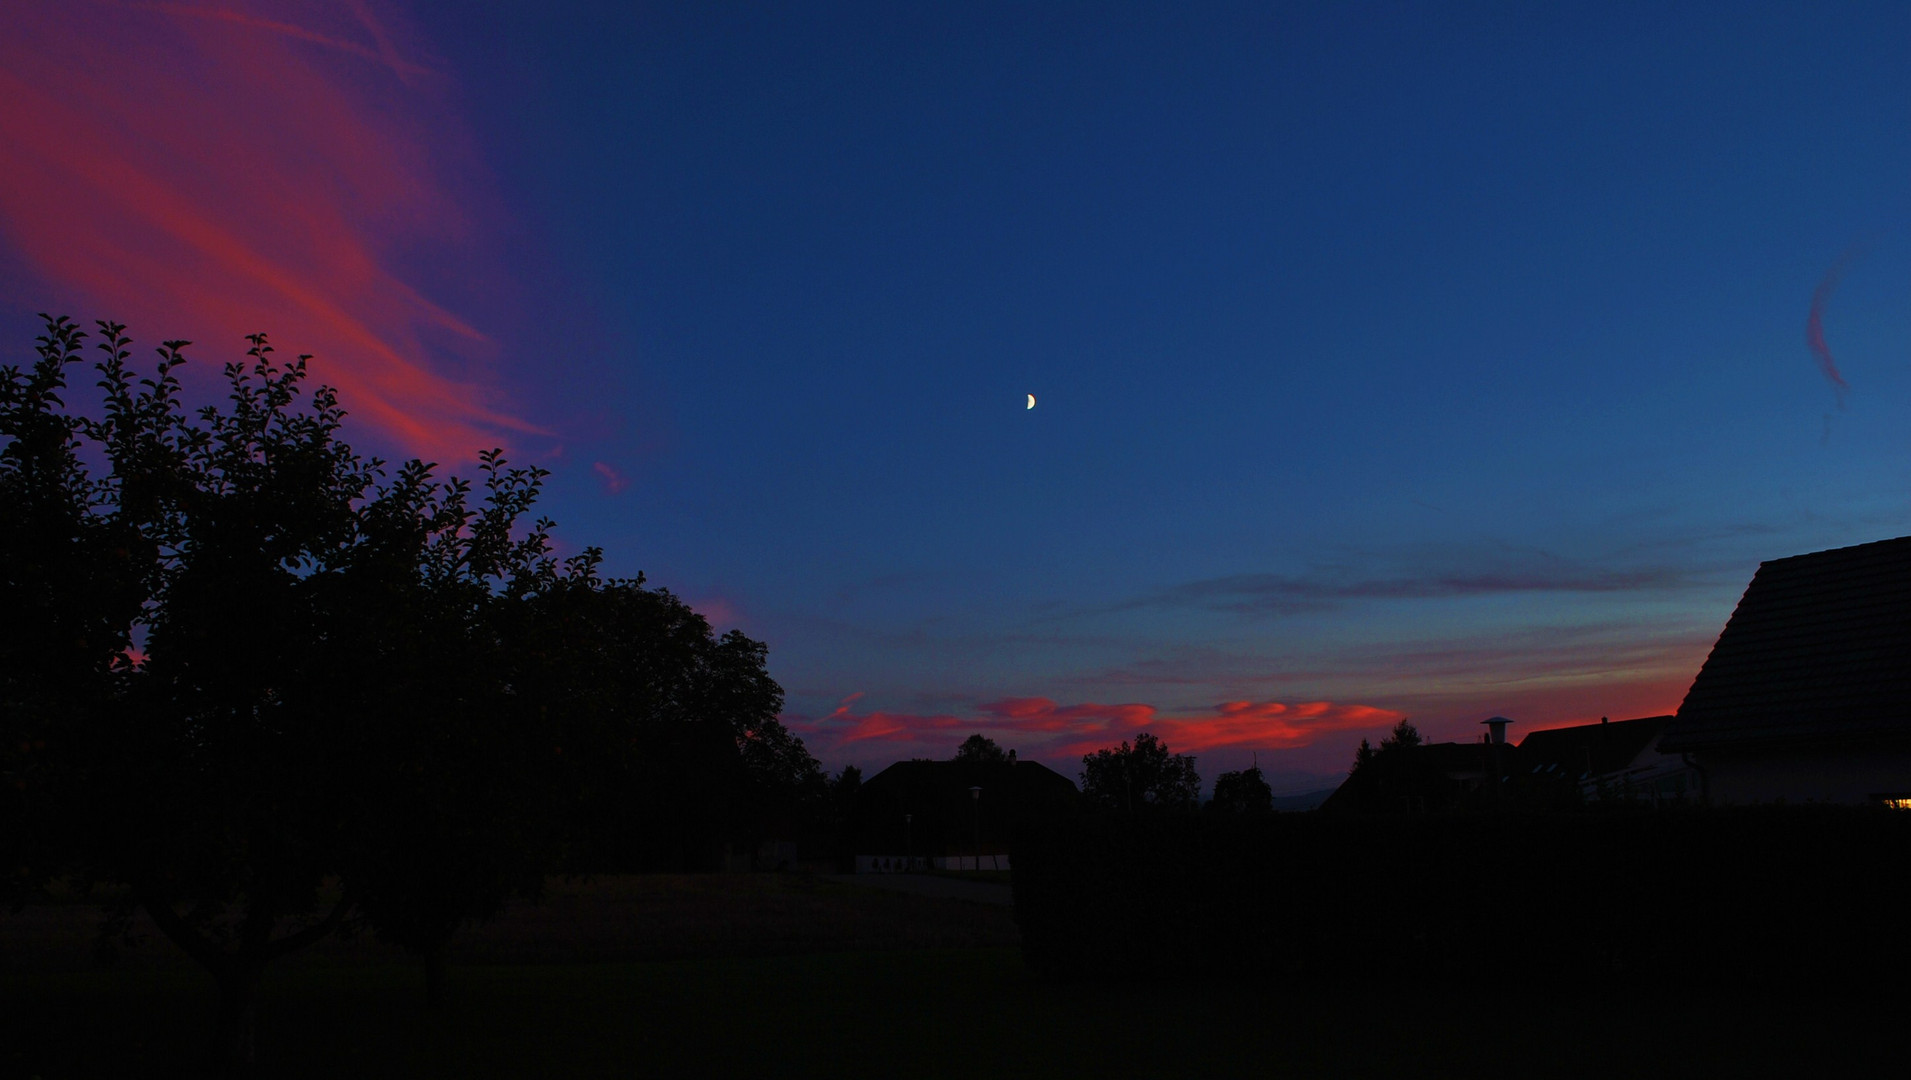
x,y
1746,895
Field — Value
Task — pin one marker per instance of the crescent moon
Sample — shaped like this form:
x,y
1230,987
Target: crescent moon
x,y
1031,401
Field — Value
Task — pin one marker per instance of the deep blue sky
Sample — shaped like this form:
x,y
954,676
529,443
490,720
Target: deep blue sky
x,y
1415,359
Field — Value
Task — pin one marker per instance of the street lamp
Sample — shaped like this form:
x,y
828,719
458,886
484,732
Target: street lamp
x,y
975,800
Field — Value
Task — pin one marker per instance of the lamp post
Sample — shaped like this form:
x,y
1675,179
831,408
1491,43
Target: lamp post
x,y
975,800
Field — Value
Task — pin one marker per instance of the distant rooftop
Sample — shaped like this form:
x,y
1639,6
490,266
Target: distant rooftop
x,y
1818,650
1590,749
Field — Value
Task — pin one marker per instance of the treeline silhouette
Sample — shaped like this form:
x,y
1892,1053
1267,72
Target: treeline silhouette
x,y
1147,777
1516,879
1406,775
262,687
1759,897
1752,898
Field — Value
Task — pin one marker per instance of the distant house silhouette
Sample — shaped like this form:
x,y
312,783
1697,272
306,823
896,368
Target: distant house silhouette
x,y
1611,760
1430,777
950,814
1806,696
1606,760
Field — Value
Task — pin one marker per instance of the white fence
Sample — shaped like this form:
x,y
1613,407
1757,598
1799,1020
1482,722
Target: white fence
x,y
916,864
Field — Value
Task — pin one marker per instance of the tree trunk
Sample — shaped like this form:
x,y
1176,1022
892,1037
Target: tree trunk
x,y
237,971
434,956
235,1037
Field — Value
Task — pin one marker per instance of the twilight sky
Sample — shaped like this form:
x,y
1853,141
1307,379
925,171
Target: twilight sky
x,y
1432,360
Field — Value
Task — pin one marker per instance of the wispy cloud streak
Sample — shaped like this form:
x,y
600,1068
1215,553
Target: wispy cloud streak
x,y
1283,594
208,170
614,481
1815,324
384,53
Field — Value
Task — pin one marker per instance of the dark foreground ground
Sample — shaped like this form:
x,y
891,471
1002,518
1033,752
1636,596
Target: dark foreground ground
x,y
763,975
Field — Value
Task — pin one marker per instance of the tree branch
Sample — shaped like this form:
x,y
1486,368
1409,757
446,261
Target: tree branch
x,y
294,942
181,933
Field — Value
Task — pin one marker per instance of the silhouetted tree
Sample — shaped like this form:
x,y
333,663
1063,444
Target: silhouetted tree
x,y
1144,776
202,778
1242,792
979,749
458,790
679,748
75,571
267,687
843,789
1396,776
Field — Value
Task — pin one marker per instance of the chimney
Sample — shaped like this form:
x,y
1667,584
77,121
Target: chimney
x,y
1497,725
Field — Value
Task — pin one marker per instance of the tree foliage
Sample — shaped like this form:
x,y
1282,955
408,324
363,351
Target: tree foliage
x,y
1396,776
979,749
1142,777
271,688
1242,792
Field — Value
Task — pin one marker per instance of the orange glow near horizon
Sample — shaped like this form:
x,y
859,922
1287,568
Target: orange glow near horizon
x,y
207,171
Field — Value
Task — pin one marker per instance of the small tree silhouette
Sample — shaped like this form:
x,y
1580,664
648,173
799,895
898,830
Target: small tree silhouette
x,y
979,749
1242,792
1142,777
1396,776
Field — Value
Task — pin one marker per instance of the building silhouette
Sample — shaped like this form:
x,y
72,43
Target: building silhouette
x,y
949,814
1806,697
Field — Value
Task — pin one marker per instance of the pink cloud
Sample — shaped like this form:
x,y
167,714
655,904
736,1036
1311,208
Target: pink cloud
x,y
384,53
613,480
1268,725
718,611
209,170
896,727
849,728
1041,714
1815,323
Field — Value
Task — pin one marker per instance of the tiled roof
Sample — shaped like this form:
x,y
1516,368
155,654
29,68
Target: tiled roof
x,y
1590,749
1819,649
1462,759
921,774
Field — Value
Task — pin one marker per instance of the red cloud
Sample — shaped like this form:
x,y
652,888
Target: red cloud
x,y
1041,714
1073,730
1257,725
895,727
876,725
206,172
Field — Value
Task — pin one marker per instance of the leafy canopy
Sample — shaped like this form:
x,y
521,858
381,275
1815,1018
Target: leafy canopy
x,y
1142,777
269,688
979,749
1242,792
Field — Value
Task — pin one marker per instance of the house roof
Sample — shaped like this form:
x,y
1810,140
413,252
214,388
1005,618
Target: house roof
x,y
929,803
957,777
1595,749
1463,760
1818,650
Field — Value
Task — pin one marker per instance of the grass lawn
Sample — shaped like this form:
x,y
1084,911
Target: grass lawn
x,y
543,993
